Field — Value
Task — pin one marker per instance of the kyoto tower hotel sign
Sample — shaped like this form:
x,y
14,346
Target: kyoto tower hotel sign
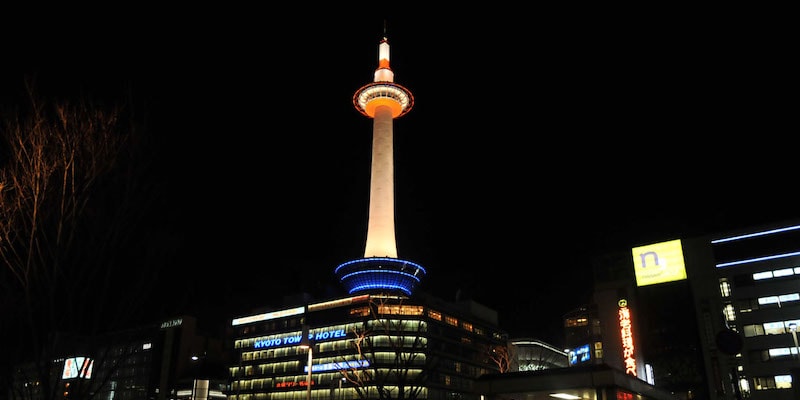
x,y
380,269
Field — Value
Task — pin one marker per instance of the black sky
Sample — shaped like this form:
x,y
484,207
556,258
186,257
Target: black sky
x,y
537,141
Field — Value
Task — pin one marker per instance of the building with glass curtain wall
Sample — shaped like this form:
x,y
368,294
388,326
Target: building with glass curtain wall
x,y
755,314
364,346
731,320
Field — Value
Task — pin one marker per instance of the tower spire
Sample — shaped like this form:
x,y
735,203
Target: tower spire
x,y
380,269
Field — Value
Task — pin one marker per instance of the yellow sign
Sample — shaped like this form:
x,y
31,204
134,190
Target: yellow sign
x,y
659,263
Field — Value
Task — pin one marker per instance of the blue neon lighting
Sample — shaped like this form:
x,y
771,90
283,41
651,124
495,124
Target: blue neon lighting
x,y
379,286
728,264
756,234
376,259
380,273
337,366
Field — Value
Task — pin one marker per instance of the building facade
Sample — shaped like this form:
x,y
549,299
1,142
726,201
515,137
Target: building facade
x,y
529,354
164,361
365,346
713,317
751,305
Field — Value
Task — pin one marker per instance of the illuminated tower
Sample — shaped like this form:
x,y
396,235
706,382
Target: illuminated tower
x,y
380,269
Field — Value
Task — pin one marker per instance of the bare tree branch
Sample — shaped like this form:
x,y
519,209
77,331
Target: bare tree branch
x,y
74,197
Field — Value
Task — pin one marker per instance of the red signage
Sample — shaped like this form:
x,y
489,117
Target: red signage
x,y
627,337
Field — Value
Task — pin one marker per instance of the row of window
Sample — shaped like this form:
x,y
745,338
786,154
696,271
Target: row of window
x,y
771,328
772,382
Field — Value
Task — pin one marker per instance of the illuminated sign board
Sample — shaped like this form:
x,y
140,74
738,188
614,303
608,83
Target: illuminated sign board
x,y
580,354
172,323
659,263
77,367
338,366
294,339
268,316
626,332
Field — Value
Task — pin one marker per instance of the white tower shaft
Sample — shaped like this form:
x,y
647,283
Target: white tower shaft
x,y
380,230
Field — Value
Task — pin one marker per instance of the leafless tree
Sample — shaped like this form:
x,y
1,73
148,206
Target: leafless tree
x,y
74,195
502,356
395,345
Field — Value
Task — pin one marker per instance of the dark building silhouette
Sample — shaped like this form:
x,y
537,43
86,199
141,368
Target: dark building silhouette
x,y
167,360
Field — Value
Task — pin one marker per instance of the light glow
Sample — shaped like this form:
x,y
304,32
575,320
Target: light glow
x,y
564,396
268,316
659,263
379,273
626,333
728,264
756,234
77,367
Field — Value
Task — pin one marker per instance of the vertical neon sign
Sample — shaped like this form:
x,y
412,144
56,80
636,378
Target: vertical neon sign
x,y
626,333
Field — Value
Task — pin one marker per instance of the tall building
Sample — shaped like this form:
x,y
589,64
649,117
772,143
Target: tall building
x,y
383,100
749,311
385,338
714,317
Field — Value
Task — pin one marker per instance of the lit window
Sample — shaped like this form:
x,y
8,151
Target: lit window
x,y
783,272
774,328
730,314
779,352
744,385
789,297
762,275
783,381
724,287
753,330
768,300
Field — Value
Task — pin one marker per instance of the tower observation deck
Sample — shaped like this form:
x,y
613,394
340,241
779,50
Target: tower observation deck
x,y
380,270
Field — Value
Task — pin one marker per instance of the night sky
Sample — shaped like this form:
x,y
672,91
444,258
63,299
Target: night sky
x,y
536,142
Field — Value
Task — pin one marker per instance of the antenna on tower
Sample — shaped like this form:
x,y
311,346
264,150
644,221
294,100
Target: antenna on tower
x,y
384,27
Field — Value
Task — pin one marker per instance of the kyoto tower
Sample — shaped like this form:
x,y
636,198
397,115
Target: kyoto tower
x,y
380,270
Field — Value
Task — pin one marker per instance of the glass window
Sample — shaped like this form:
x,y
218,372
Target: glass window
x,y
774,328
783,272
730,314
724,287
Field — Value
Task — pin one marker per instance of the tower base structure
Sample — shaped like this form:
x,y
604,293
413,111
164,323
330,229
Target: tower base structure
x,y
375,274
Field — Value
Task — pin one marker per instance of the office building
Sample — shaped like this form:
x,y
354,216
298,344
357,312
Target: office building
x,y
712,317
749,311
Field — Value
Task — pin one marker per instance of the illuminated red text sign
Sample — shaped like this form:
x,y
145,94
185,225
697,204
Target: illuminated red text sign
x,y
626,333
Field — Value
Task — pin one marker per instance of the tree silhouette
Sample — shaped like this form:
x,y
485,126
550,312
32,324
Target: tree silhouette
x,y
76,193
501,355
394,342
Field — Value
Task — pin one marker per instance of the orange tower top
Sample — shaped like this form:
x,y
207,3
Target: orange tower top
x,y
383,91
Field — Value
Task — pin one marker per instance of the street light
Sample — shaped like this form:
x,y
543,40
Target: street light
x,y
305,343
793,328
